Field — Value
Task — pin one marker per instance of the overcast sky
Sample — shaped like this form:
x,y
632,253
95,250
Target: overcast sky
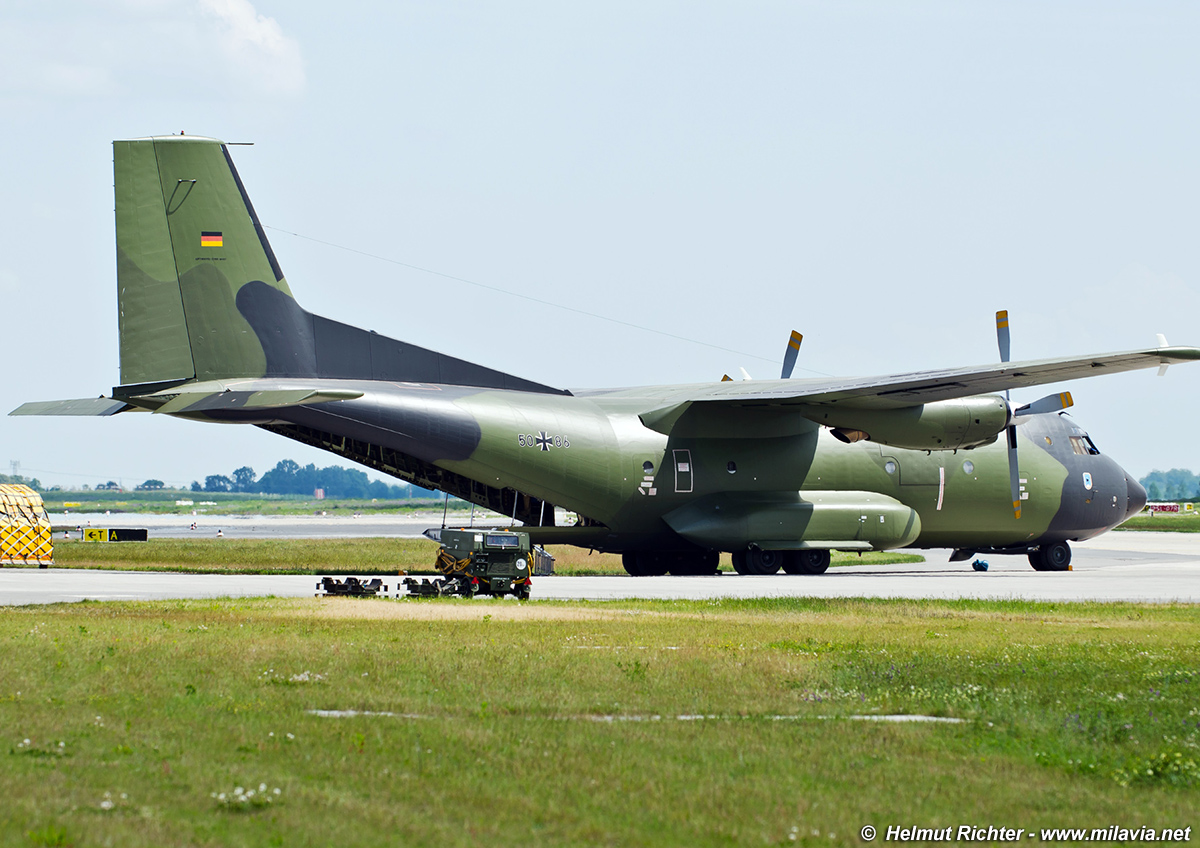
x,y
881,176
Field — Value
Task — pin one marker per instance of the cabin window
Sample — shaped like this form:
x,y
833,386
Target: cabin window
x,y
648,467
1084,446
731,467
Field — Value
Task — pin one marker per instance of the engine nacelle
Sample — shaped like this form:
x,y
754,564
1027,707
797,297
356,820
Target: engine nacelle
x,y
944,425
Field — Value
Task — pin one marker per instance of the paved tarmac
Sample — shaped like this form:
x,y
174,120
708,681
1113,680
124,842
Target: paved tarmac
x,y
1121,566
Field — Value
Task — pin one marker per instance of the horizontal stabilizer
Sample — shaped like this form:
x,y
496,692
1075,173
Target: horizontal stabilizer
x,y
271,399
78,406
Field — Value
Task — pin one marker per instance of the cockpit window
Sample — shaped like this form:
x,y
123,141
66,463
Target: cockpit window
x,y
1084,446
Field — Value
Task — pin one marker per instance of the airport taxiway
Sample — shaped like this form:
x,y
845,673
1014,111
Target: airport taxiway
x,y
319,525
1121,566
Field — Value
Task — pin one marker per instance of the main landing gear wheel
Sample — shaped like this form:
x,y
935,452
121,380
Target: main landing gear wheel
x,y
806,562
678,563
758,562
644,563
689,564
1053,557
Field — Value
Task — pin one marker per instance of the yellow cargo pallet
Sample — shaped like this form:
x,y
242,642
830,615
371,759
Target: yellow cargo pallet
x,y
25,537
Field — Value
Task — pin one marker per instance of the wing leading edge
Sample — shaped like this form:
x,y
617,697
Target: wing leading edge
x,y
896,391
893,391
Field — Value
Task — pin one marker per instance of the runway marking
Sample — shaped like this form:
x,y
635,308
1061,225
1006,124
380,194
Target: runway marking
x,y
356,713
619,719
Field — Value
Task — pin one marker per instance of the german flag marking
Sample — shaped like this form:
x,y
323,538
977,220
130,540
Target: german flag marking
x,y
211,240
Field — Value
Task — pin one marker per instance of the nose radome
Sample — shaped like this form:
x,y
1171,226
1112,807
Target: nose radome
x,y
1137,497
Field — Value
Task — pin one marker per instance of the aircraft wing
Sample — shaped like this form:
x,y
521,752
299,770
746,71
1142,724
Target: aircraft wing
x,y
896,390
892,391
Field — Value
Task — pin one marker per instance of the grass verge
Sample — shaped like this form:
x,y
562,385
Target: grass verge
x,y
1182,523
681,723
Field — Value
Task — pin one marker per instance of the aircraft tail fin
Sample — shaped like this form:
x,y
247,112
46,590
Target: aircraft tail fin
x,y
187,240
201,294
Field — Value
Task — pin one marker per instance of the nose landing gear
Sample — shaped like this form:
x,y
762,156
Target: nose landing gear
x,y
1052,557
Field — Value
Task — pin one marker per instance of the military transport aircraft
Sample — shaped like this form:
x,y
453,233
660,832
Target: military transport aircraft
x,y
778,472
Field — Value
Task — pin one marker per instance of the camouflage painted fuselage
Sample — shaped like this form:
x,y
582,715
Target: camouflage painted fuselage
x,y
591,454
209,330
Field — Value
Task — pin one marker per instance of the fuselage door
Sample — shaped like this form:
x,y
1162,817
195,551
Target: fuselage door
x,y
922,475
683,470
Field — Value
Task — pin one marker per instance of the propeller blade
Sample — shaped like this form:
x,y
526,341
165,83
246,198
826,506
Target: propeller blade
x,y
1002,334
789,355
726,379
1050,403
745,374
1014,474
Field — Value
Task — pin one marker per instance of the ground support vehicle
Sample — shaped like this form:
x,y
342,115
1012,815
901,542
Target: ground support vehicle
x,y
480,562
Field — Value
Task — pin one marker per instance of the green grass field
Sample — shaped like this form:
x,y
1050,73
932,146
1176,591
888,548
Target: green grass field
x,y
632,723
1186,522
328,556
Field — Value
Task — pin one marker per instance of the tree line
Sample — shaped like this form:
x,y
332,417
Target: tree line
x,y
17,480
1178,484
288,477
